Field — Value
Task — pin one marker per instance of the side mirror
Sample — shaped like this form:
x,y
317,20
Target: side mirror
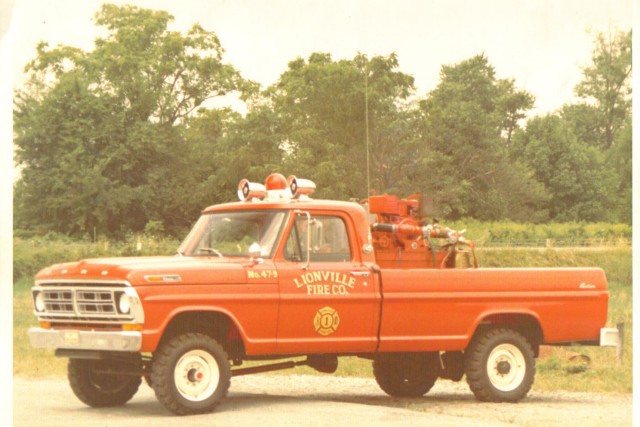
x,y
255,250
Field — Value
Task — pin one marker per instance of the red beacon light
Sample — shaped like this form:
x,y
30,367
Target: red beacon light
x,y
277,187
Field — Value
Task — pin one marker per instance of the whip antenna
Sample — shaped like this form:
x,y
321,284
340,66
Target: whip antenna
x,y
366,121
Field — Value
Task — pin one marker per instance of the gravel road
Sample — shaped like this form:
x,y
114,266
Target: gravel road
x,y
300,400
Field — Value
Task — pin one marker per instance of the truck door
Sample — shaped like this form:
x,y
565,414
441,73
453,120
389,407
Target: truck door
x,y
327,296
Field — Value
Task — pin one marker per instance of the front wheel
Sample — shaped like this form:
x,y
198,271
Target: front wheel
x,y
406,374
98,384
190,374
500,366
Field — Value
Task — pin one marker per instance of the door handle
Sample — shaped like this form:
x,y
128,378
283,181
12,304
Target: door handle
x,y
360,273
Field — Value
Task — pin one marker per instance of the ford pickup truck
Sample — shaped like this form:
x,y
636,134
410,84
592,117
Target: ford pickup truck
x,y
279,275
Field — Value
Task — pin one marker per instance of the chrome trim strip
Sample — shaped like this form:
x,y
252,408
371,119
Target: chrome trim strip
x,y
105,281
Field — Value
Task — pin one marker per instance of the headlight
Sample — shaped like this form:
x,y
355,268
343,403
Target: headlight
x,y
124,303
39,302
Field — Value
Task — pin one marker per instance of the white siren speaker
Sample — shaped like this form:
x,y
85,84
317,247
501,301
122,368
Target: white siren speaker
x,y
251,190
300,187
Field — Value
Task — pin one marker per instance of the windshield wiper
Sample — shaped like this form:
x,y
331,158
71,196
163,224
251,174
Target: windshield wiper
x,y
211,251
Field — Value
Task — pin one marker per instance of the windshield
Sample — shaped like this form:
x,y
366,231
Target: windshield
x,y
232,233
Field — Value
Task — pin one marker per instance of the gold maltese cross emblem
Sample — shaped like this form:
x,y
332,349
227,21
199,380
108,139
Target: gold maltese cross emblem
x,y
326,321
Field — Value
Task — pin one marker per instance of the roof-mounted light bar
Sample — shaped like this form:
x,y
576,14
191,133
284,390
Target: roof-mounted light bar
x,y
276,187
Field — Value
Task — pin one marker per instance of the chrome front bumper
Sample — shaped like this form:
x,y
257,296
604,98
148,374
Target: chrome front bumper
x,y
85,340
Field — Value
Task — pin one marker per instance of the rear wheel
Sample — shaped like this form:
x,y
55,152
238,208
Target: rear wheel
x,y
406,374
98,384
190,374
500,366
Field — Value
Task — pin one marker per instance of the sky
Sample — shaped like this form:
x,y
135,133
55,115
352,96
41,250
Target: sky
x,y
542,44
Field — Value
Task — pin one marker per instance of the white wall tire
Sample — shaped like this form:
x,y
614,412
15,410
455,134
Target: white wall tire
x,y
500,366
191,374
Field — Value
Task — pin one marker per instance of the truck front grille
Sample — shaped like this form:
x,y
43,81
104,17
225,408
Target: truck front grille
x,y
81,302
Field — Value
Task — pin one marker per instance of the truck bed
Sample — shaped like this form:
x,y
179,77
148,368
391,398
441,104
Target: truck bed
x,y
432,309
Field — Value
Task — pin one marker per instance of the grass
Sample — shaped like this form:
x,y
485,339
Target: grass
x,y
492,234
28,361
556,372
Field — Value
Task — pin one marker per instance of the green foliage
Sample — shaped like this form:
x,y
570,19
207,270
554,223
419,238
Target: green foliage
x,y
574,173
466,129
492,234
608,81
154,227
321,108
621,168
586,122
100,134
32,255
121,139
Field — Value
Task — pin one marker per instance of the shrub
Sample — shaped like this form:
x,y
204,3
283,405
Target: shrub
x,y
31,255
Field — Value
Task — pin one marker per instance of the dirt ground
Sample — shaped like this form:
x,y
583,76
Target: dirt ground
x,y
300,400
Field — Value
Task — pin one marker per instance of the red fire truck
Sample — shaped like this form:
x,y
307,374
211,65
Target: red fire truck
x,y
279,275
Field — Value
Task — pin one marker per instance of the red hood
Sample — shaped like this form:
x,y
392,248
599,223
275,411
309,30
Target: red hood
x,y
150,270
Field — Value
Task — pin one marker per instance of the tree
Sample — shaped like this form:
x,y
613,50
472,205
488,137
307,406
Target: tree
x,y
100,134
603,119
619,162
607,81
587,122
464,161
251,149
321,105
574,174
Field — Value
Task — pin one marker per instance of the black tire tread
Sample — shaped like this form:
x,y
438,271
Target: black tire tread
x,y
391,372
162,372
79,376
475,365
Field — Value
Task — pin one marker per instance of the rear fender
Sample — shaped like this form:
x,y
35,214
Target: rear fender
x,y
526,323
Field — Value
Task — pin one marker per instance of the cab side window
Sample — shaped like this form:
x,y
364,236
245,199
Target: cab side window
x,y
326,236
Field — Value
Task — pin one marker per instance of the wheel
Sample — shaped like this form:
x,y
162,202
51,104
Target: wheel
x,y
147,379
95,386
500,366
190,374
406,374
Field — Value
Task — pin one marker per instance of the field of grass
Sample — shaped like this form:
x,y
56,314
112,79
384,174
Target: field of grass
x,y
555,372
492,234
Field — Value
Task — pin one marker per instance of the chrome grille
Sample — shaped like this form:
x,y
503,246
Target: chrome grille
x,y
81,302
92,302
58,301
